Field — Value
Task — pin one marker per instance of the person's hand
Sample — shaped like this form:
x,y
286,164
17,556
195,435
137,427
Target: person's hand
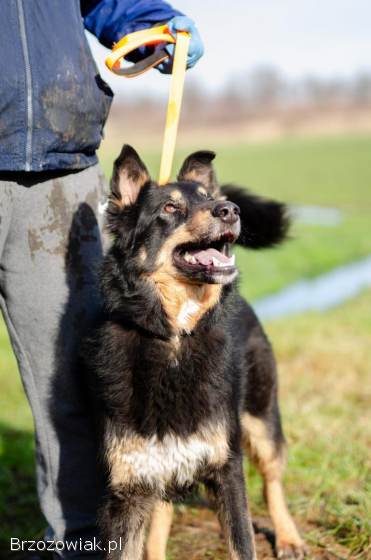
x,y
196,47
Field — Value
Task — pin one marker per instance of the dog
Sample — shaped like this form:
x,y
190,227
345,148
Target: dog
x,y
185,375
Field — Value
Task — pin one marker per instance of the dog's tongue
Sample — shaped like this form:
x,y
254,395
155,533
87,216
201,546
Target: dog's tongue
x,y
206,257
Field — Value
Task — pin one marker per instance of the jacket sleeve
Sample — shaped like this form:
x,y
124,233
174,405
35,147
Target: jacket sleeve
x,y
109,20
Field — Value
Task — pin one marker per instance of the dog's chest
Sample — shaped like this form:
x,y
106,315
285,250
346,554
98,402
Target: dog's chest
x,y
170,461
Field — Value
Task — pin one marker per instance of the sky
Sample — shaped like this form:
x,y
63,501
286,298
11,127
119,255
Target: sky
x,y
300,37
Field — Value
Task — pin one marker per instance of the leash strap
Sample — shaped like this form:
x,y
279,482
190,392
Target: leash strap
x,y
174,106
146,37
155,36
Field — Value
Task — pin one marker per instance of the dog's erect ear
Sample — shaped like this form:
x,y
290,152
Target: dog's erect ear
x,y
198,167
264,222
128,177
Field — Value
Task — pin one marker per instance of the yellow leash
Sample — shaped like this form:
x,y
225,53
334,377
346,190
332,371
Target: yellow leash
x,y
153,36
174,106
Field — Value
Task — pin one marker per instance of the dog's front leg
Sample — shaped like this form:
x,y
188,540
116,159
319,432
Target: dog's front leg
x,y
158,535
228,487
123,522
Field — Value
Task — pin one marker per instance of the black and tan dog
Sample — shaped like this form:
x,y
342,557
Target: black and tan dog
x,y
185,373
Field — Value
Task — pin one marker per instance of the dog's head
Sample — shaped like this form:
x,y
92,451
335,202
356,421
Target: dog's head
x,y
171,257
183,228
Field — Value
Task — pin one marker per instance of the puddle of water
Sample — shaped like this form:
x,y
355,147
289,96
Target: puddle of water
x,y
316,215
318,294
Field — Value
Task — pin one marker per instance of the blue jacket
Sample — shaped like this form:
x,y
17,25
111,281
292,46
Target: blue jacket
x,y
53,103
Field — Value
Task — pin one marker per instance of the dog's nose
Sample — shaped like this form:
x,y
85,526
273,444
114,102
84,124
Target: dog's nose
x,y
227,211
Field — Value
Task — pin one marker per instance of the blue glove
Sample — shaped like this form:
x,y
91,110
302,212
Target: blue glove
x,y
196,47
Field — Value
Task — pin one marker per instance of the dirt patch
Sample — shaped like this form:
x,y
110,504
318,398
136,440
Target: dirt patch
x,y
196,535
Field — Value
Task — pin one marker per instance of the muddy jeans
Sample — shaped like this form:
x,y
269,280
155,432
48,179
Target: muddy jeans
x,y
50,247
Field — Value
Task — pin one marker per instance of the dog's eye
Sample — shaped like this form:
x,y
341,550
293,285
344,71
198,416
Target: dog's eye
x,y
170,208
207,196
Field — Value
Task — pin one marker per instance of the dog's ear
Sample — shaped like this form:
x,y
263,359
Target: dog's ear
x,y
264,223
128,177
198,167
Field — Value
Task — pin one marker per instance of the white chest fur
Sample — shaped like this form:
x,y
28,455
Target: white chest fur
x,y
187,311
172,459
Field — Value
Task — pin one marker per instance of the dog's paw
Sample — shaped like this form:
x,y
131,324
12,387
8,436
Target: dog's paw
x,y
291,551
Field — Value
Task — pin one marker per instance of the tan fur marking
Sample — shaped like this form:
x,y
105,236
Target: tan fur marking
x,y
129,186
176,291
134,459
159,531
174,344
203,178
176,195
216,436
201,190
260,446
117,201
191,232
181,235
199,225
271,465
192,175
119,444
142,255
284,526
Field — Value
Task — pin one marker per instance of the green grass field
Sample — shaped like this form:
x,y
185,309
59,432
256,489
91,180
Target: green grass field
x,y
324,360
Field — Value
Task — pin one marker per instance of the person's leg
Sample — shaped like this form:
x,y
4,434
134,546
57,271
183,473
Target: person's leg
x,y
6,201
49,295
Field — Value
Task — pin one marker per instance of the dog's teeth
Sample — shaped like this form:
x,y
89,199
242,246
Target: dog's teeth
x,y
223,264
189,258
219,264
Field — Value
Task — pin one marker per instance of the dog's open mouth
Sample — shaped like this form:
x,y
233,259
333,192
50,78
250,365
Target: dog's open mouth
x,y
207,256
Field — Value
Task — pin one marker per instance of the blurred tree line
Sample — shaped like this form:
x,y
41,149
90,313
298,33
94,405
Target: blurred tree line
x,y
266,86
261,93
